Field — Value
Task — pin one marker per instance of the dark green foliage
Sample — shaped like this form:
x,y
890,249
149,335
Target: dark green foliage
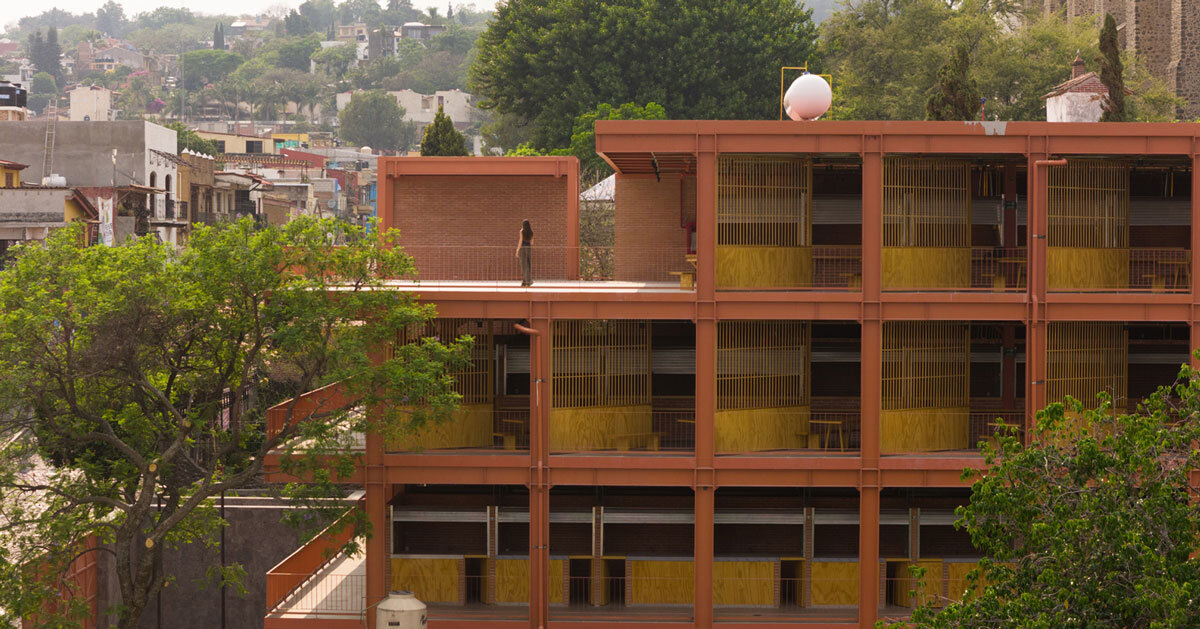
x,y
1111,72
441,138
583,134
1094,524
707,59
141,375
372,119
955,96
219,37
201,67
296,24
295,52
44,53
188,139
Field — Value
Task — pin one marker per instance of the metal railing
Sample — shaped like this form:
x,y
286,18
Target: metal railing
x,y
986,424
1140,269
663,267
169,208
303,566
327,594
816,431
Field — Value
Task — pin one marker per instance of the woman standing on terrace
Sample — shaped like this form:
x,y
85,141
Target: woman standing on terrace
x,y
524,251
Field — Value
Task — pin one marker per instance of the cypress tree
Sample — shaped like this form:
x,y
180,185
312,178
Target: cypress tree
x,y
218,37
955,96
441,138
1111,72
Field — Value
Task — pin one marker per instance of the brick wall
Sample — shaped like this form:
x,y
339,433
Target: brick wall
x,y
466,226
650,240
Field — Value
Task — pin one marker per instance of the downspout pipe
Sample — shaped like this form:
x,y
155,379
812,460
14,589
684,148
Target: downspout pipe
x,y
539,544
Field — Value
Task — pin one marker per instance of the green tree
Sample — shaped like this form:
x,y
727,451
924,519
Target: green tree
x,y
163,16
372,119
319,13
187,138
201,67
955,96
550,62
336,60
1094,524
41,90
296,24
45,53
1111,72
583,135
110,19
294,52
441,138
219,37
116,362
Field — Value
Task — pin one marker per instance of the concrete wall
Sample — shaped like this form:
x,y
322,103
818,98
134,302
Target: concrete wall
x,y
82,150
91,103
466,227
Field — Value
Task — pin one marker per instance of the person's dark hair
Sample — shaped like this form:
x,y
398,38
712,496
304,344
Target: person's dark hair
x,y
526,230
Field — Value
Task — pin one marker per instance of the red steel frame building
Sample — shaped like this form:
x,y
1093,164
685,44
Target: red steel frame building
x,y
638,149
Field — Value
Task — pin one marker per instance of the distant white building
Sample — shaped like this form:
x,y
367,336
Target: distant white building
x,y
421,108
91,102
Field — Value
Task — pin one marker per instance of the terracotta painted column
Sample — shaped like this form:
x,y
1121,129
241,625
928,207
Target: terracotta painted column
x,y
1195,313
376,505
539,459
871,377
706,377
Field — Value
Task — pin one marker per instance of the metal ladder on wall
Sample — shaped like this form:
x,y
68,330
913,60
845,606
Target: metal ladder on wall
x,y
48,149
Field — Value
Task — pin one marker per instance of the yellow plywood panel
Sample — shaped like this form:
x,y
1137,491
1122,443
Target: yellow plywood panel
x,y
746,266
908,592
744,583
752,430
431,579
661,583
957,578
1069,268
512,580
470,427
924,430
835,583
926,267
599,427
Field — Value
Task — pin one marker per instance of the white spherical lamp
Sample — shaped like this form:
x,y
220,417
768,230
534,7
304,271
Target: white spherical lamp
x,y
808,98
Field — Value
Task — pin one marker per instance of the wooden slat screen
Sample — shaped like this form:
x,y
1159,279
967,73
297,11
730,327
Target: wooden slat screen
x,y
764,200
474,382
600,363
1085,358
926,364
1087,204
926,202
763,364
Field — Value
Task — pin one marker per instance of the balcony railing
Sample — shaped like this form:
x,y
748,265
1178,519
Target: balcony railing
x,y
317,575
661,267
1118,270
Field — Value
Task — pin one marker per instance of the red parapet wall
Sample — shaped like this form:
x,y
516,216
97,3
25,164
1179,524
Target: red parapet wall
x,y
459,218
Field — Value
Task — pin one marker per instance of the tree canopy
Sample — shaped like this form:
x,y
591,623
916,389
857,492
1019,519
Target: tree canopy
x,y
373,119
136,380
550,62
1094,524
187,138
441,138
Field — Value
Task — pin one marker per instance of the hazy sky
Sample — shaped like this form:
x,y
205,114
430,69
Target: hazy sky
x,y
13,10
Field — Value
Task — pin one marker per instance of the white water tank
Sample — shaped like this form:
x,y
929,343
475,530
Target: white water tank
x,y
808,98
400,610
54,181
